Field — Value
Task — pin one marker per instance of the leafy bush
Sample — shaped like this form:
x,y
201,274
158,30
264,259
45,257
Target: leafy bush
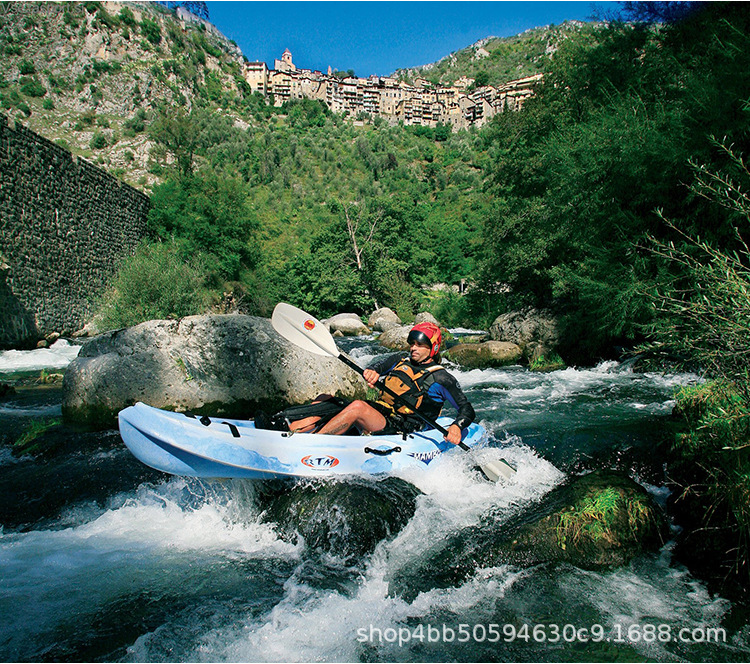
x,y
26,68
98,141
127,17
209,214
703,298
151,31
32,87
155,283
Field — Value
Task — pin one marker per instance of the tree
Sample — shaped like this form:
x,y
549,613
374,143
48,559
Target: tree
x,y
177,131
208,214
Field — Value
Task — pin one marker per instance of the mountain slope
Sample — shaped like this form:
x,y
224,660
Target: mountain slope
x,y
87,74
499,60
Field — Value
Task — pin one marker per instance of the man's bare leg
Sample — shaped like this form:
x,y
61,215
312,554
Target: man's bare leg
x,y
357,413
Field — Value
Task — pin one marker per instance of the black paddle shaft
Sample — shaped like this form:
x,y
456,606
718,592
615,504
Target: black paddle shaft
x,y
398,398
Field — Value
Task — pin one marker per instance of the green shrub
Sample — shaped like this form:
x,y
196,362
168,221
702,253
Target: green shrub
x,y
31,87
151,30
155,283
127,17
98,141
26,68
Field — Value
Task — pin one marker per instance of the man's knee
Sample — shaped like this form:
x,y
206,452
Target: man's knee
x,y
360,406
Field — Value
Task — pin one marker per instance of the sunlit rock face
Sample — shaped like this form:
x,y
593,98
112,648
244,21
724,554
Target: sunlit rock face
x,y
229,365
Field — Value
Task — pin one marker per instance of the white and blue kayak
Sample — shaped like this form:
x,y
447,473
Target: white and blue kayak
x,y
182,444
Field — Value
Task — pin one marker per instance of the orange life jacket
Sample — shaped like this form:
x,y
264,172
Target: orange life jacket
x,y
409,382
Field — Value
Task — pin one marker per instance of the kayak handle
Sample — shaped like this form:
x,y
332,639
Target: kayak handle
x,y
369,450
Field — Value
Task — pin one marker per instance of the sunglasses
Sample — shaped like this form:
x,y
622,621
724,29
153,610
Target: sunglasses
x,y
418,338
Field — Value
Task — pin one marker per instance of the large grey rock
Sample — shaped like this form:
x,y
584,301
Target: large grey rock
x,y
487,354
425,317
347,324
382,319
229,365
536,332
395,337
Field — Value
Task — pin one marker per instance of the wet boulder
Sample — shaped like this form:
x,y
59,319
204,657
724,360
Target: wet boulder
x,y
426,317
347,325
344,518
484,355
599,521
227,365
535,332
383,318
395,337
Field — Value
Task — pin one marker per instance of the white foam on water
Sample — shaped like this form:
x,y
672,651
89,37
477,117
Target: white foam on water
x,y
457,495
322,625
156,533
328,626
652,593
58,356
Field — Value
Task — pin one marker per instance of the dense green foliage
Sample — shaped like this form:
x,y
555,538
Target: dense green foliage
x,y
156,283
577,177
347,216
710,465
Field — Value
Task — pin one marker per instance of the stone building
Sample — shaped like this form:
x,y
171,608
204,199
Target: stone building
x,y
389,98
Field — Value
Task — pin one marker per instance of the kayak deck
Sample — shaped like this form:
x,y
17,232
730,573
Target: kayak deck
x,y
181,444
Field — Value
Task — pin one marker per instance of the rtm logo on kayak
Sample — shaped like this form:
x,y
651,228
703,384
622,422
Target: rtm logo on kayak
x,y
309,324
424,457
320,462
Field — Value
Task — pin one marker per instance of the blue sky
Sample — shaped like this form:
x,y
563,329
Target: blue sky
x,y
379,37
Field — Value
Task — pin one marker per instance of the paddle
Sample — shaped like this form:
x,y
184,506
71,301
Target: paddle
x,y
309,333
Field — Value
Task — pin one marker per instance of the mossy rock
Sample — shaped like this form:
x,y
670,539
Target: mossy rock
x,y
599,521
485,354
607,521
345,518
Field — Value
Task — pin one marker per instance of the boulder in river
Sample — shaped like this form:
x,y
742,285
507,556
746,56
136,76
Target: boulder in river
x,y
486,354
344,518
599,521
347,324
535,332
383,318
229,365
394,337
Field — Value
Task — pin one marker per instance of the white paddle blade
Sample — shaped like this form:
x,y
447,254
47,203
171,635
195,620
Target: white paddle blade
x,y
494,470
303,330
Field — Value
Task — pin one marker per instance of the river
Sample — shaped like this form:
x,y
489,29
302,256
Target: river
x,y
103,559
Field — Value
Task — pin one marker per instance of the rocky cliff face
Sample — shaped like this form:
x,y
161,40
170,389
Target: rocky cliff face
x,y
85,74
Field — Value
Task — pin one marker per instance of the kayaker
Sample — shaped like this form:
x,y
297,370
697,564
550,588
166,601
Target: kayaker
x,y
420,379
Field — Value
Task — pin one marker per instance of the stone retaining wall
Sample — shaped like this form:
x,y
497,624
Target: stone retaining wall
x,y
64,226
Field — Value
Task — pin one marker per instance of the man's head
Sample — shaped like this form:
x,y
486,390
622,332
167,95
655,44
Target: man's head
x,y
427,335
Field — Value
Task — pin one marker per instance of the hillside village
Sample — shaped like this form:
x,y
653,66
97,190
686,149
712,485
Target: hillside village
x,y
397,101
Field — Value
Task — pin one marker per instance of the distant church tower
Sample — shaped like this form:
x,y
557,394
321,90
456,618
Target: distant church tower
x,y
285,64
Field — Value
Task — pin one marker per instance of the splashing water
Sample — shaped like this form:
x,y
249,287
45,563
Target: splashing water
x,y
173,569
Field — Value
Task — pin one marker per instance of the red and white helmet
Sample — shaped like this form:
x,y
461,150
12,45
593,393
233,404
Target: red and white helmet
x,y
427,334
